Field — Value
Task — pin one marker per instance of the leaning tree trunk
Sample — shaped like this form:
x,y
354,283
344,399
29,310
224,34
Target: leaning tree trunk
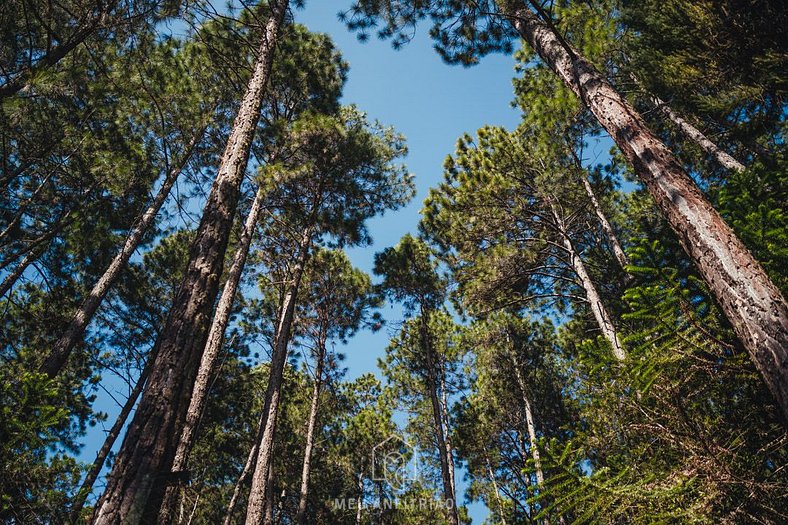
x,y
14,275
257,496
751,302
310,434
109,441
444,451
603,319
621,257
722,157
135,486
58,356
245,473
210,355
498,500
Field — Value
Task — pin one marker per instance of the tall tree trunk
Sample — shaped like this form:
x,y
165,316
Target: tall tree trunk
x,y
210,355
109,441
621,257
603,320
751,302
135,486
58,356
444,452
310,434
257,496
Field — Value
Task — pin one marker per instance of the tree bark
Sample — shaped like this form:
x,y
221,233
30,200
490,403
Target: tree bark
x,y
444,451
751,302
61,350
257,496
603,320
310,434
135,486
268,515
109,441
210,355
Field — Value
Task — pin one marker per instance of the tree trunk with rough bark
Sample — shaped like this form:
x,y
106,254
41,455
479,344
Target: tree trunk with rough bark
x,y
310,435
603,320
210,356
76,329
136,485
257,496
751,302
268,515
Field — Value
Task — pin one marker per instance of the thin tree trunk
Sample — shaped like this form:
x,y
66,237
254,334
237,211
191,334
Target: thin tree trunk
x,y
257,496
109,441
17,272
498,499
245,473
752,303
135,486
621,257
61,350
603,320
444,405
722,157
437,413
529,423
310,435
210,355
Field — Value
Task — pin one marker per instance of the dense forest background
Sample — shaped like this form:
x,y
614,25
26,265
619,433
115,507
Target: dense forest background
x,y
572,337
